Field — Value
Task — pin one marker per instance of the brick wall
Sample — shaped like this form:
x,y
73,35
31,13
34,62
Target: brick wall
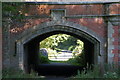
x,y
70,9
119,46
0,49
116,43
115,9
95,24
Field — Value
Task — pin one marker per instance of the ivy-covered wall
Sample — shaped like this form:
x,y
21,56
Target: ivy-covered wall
x,y
19,17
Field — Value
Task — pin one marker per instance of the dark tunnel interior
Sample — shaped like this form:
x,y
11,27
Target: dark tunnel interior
x,y
31,50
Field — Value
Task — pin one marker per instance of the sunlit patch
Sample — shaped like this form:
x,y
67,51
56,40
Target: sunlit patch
x,y
60,54
82,20
13,30
34,27
26,14
112,12
21,65
20,12
43,9
114,9
118,5
42,76
61,57
30,23
73,6
98,20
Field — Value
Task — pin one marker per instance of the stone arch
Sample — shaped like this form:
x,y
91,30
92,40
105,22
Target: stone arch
x,y
53,27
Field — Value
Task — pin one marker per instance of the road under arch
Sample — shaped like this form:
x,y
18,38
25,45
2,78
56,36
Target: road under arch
x,y
28,44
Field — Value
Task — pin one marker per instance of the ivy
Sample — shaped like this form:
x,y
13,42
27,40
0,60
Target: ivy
x,y
13,10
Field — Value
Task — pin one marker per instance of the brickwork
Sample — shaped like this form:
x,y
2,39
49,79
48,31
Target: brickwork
x,y
65,26
0,49
71,9
119,47
114,9
116,44
44,10
92,29
95,24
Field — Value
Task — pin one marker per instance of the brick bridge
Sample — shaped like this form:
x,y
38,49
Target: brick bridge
x,y
96,24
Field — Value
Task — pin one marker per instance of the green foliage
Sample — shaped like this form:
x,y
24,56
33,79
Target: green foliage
x,y
78,59
59,61
88,73
13,10
43,59
53,41
118,72
52,53
61,42
68,44
110,75
14,73
95,73
73,61
111,71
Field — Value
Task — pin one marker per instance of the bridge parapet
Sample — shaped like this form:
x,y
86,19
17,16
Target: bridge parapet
x,y
84,14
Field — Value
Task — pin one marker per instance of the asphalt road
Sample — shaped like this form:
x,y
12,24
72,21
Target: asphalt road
x,y
57,69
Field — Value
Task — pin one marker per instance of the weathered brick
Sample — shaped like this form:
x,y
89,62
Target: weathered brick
x,y
115,9
116,59
96,25
115,35
119,63
1,48
71,9
115,27
119,54
116,43
0,30
119,59
98,28
115,51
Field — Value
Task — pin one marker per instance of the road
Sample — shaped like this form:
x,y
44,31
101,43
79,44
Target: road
x,y
57,69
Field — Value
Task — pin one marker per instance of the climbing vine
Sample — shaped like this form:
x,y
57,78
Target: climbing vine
x,y
13,10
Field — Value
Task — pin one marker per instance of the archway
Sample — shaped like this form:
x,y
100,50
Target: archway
x,y
28,43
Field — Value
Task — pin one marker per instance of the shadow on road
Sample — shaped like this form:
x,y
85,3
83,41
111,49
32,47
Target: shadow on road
x,y
57,69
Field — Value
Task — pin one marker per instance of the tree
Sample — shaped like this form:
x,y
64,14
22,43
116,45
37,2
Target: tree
x,y
53,41
62,42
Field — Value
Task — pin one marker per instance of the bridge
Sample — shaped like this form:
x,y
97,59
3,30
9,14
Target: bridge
x,y
96,24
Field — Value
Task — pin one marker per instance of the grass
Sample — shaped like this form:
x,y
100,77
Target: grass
x,y
14,73
43,59
71,61
110,72
58,61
